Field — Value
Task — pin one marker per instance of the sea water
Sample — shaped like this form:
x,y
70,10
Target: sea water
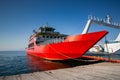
x,y
13,62
18,62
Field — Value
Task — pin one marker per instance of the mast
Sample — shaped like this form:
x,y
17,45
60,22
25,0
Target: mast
x,y
99,21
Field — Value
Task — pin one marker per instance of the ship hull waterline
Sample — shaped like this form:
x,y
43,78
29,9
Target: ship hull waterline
x,y
73,47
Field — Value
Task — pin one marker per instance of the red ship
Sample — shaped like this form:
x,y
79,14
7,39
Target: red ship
x,y
51,45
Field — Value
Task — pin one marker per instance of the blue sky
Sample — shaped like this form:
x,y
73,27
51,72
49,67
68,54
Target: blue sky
x,y
19,17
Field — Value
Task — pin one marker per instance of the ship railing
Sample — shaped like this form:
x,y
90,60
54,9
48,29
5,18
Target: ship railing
x,y
52,41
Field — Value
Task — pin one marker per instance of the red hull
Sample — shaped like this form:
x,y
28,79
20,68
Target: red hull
x,y
72,47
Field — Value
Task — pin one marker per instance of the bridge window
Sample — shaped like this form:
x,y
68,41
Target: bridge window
x,y
43,36
47,36
51,37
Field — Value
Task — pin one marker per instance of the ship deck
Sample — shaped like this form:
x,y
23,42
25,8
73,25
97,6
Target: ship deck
x,y
97,71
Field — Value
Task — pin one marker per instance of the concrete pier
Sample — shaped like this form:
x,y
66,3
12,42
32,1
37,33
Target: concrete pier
x,y
97,71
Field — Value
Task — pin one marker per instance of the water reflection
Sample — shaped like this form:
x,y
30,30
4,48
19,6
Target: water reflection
x,y
38,64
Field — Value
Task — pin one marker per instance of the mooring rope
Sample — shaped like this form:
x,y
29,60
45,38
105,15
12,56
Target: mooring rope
x,y
118,61
64,54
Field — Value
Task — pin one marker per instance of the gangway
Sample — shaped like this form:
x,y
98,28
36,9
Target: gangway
x,y
100,21
115,46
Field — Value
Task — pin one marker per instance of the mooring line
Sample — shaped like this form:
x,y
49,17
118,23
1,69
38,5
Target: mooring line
x,y
64,54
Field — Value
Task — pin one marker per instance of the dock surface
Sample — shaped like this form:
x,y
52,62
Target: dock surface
x,y
98,71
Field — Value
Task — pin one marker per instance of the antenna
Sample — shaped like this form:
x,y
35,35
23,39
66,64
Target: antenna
x,y
46,25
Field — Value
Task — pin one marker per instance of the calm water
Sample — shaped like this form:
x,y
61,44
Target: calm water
x,y
16,62
13,62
